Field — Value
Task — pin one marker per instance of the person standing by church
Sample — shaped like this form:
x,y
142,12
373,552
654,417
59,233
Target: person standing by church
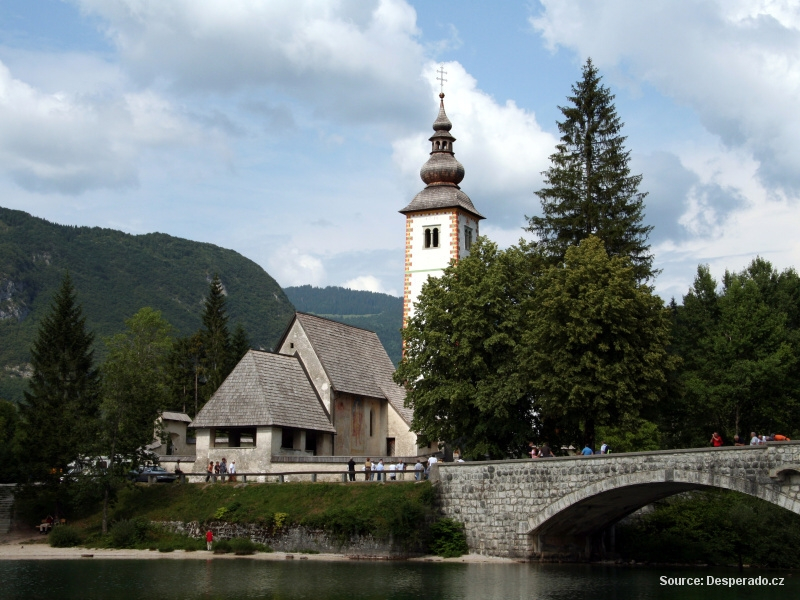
x,y
367,469
351,469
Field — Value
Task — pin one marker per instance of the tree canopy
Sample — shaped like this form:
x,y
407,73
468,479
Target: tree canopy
x,y
740,344
589,188
595,345
460,366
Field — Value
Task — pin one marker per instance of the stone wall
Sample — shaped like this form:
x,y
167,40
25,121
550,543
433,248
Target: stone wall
x,y
556,508
294,539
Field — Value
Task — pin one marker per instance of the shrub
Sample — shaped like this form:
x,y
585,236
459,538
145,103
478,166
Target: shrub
x,y
242,546
126,534
448,539
220,513
64,536
221,547
279,519
166,547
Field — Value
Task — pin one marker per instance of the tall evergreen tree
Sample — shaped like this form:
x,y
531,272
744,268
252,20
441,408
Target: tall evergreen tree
x,y
240,344
216,339
60,407
589,189
186,373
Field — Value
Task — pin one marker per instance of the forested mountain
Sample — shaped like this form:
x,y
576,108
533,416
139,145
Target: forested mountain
x,y
115,274
380,313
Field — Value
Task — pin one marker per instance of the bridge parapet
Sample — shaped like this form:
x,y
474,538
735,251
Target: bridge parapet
x,y
557,507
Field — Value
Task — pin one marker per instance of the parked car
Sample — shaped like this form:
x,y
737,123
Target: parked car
x,y
159,474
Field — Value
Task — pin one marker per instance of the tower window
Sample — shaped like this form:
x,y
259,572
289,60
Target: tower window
x,y
467,238
432,237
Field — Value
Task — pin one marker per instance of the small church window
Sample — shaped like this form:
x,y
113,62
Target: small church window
x,y
435,237
427,238
467,238
370,422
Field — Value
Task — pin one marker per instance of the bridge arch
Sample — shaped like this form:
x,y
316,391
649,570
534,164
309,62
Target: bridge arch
x,y
604,502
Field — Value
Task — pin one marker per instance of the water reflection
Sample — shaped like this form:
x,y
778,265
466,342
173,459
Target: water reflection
x,y
289,580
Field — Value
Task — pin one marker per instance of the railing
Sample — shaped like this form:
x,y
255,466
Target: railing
x,y
375,476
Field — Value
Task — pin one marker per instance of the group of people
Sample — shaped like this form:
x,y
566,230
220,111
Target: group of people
x,y
221,469
379,471
755,439
542,451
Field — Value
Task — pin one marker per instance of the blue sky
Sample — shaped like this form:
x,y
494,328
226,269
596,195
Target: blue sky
x,y
293,131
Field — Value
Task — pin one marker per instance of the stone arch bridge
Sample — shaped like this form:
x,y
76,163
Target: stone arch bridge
x,y
564,508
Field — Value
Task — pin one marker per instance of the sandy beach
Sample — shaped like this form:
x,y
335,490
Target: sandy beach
x,y
25,545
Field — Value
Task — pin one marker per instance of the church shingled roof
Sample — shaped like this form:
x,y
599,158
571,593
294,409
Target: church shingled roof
x,y
442,173
265,389
355,361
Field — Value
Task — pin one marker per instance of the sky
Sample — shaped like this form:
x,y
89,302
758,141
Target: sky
x,y
293,131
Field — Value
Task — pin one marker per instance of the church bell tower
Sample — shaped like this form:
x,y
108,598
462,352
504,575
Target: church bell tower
x,y
441,221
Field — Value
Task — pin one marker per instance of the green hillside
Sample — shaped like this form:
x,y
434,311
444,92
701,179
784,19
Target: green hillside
x,y
115,274
380,313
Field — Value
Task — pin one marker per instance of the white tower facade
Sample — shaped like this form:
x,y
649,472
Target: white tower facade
x,y
441,221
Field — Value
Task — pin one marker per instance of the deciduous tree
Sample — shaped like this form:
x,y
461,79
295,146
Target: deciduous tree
x,y
595,348
460,365
135,391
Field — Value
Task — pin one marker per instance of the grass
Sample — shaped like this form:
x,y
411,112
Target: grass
x,y
402,511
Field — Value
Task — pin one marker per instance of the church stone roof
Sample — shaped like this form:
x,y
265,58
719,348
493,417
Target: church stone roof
x,y
354,360
265,389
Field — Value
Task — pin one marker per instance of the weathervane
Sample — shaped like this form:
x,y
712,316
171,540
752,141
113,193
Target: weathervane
x,y
441,78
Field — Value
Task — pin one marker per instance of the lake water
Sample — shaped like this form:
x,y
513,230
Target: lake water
x,y
315,580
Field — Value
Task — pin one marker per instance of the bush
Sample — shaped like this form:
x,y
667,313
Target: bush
x,y
126,534
242,546
166,547
64,536
221,547
448,539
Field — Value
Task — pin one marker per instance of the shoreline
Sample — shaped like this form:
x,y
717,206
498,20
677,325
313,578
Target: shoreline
x,y
24,546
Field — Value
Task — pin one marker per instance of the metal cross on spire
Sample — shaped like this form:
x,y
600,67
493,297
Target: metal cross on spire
x,y
441,78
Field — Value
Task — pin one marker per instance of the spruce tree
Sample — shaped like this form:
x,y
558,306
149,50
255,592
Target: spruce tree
x,y
240,344
60,406
216,339
589,188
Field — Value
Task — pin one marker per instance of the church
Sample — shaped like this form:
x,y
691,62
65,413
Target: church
x,y
328,390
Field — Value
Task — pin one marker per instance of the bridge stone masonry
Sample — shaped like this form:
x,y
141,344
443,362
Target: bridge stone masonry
x,y
565,508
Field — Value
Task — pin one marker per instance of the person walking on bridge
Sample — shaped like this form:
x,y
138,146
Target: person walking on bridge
x,y
716,440
587,450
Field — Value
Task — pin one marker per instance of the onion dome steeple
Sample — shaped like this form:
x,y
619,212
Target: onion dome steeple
x,y
442,172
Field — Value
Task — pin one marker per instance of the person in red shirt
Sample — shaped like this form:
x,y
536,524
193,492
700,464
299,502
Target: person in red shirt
x,y
716,440
209,539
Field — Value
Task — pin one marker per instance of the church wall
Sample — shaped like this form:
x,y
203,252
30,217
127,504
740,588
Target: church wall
x,y
297,342
405,439
351,419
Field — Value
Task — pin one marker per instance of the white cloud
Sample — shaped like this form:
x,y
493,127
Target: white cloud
x,y
735,62
70,143
352,59
290,266
502,147
368,283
